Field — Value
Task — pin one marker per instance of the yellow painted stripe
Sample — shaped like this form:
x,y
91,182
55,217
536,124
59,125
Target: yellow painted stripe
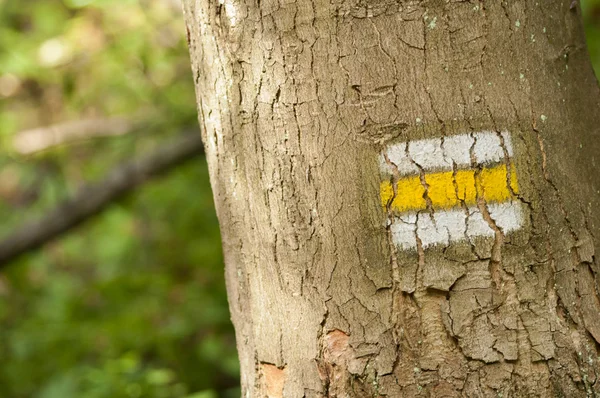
x,y
446,190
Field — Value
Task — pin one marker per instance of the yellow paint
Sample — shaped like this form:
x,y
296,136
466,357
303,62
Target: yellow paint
x,y
410,194
386,191
441,188
493,186
465,183
447,190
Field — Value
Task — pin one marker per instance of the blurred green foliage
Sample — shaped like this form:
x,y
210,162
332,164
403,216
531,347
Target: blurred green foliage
x,y
591,19
131,304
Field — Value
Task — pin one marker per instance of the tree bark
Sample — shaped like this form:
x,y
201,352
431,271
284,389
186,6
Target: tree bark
x,y
301,104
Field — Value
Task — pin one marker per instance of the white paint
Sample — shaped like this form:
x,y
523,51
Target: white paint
x,y
488,147
453,222
477,225
384,166
439,154
432,232
410,218
450,226
403,231
457,149
508,216
428,154
444,227
398,156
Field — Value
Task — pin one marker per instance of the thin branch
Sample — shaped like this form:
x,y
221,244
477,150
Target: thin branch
x,y
39,139
93,198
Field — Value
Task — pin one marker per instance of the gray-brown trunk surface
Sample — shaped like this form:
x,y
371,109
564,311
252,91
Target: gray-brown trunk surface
x,y
297,102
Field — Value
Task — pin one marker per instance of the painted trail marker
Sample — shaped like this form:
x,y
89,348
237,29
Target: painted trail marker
x,y
434,188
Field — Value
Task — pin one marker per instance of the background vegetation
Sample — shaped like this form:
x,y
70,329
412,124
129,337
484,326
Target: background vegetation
x,y
132,303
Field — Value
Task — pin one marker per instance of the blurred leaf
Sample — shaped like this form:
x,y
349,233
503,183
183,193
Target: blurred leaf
x,y
203,394
160,376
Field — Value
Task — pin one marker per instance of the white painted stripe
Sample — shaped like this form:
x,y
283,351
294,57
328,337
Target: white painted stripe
x,y
457,149
477,225
440,154
397,155
428,154
384,166
488,147
403,231
450,226
508,215
432,230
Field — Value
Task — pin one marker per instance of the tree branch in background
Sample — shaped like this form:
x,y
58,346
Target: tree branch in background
x,y
93,198
35,140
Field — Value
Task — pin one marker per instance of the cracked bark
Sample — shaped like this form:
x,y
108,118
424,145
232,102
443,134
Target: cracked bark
x,y
296,101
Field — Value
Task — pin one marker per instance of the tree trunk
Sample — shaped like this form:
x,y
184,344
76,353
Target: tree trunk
x,y
407,193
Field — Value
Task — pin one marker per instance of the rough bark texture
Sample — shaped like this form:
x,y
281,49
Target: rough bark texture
x,y
297,99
